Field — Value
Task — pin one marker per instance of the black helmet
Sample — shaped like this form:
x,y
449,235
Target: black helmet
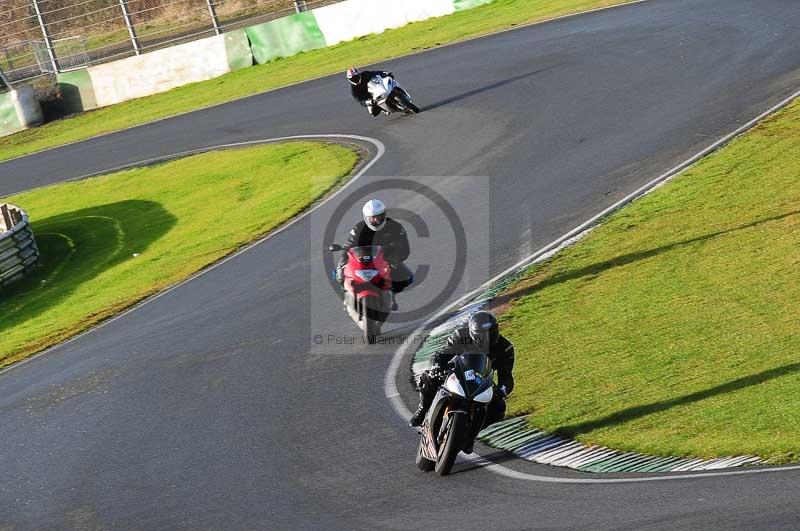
x,y
483,329
353,76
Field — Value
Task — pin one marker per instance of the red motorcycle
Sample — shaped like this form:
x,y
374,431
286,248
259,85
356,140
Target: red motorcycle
x,y
367,288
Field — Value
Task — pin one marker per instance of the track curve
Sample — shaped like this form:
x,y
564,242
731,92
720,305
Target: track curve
x,y
209,408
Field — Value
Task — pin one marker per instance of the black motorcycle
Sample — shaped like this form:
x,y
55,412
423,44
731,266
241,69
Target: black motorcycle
x,y
457,414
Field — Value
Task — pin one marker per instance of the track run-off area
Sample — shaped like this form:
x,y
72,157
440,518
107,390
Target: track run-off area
x,y
212,407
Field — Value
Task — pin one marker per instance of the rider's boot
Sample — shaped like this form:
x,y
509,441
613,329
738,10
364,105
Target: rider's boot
x,y
418,417
425,401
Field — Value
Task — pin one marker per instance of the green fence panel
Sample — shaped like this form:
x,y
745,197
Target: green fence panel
x,y
9,121
77,93
285,37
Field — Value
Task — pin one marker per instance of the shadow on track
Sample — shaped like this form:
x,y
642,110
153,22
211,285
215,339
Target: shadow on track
x,y
486,88
493,458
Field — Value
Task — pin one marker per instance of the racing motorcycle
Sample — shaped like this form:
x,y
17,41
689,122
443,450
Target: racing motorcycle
x,y
367,288
388,95
457,414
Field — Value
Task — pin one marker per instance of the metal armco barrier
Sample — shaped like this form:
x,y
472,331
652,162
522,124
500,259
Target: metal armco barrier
x,y
18,251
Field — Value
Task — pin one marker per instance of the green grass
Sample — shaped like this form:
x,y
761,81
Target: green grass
x,y
177,217
414,37
673,328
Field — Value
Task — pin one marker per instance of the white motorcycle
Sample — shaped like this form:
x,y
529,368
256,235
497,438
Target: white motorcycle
x,y
389,97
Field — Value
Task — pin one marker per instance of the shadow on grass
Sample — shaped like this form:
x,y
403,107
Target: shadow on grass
x,y
633,413
596,269
76,247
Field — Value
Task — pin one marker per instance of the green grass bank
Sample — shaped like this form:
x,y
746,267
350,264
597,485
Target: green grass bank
x,y
110,241
486,19
672,329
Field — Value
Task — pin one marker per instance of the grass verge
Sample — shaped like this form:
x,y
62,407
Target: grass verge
x,y
110,241
392,43
672,329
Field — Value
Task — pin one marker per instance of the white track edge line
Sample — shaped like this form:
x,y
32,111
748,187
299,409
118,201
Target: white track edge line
x,y
381,150
392,392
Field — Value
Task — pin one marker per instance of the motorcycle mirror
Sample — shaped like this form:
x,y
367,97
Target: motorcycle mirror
x,y
334,247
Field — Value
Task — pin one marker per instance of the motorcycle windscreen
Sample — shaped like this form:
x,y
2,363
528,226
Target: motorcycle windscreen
x,y
366,253
474,371
380,87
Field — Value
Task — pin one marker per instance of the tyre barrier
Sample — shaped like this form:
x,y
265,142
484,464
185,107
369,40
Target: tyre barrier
x,y
18,251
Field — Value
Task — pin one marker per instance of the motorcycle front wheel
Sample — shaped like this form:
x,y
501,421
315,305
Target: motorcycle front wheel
x,y
371,322
423,463
452,444
372,330
404,103
412,109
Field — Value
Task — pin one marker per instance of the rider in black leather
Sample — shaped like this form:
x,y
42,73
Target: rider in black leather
x,y
481,333
378,229
359,83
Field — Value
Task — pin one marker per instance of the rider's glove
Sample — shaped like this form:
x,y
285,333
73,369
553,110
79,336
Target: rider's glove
x,y
339,277
437,371
502,391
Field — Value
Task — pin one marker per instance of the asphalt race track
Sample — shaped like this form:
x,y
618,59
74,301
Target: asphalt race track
x,y
212,408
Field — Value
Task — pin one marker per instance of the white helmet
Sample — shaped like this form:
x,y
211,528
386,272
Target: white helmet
x,y
374,213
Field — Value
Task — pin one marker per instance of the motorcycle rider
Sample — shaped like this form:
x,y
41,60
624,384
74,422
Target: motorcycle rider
x,y
378,229
481,333
359,87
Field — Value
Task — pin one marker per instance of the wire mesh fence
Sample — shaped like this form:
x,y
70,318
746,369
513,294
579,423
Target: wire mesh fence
x,y
41,37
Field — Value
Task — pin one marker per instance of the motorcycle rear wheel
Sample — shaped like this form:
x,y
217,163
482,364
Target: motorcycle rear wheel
x,y
452,444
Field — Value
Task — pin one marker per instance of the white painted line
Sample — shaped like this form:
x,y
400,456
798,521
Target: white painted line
x,y
381,149
390,378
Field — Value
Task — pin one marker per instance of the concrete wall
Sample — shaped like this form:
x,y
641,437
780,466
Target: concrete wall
x,y
162,70
341,22
154,72
461,5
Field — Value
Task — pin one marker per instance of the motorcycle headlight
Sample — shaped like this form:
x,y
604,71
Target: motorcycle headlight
x,y
486,396
366,274
454,386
